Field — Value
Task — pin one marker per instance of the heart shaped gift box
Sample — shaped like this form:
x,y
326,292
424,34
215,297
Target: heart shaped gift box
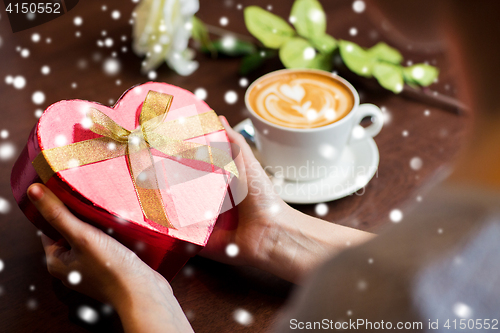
x,y
161,200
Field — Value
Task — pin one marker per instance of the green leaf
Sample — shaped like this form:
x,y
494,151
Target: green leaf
x,y
233,47
384,52
422,74
407,76
269,29
356,58
253,61
322,61
389,76
309,18
250,63
324,44
297,53
200,34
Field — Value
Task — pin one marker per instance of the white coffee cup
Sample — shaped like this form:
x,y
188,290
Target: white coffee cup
x,y
309,154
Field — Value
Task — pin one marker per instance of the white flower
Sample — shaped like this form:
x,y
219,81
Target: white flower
x,y
161,32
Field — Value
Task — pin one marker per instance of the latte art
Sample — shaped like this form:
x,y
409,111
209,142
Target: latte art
x,y
301,100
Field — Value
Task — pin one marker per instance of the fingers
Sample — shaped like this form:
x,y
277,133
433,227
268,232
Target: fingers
x,y
237,138
53,251
54,211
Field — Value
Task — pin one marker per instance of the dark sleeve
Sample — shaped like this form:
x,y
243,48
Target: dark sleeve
x,y
374,282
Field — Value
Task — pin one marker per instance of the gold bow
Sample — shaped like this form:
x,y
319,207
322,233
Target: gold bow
x,y
153,132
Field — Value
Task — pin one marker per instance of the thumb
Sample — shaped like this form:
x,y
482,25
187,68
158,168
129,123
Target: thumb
x,y
56,213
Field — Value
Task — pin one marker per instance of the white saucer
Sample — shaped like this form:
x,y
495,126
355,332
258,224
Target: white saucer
x,y
355,168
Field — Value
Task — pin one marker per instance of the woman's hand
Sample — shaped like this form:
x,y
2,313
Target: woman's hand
x,y
109,271
258,212
270,234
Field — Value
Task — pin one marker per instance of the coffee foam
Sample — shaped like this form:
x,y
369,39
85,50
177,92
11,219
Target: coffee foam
x,y
301,100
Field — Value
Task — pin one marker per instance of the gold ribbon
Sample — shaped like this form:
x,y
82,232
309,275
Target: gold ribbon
x,y
153,132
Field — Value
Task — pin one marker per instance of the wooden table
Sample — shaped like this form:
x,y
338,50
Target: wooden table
x,y
209,292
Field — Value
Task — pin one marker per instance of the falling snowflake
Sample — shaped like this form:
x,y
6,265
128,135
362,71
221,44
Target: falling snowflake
x,y
189,314
228,42
404,133
115,15
462,310
427,113
4,134
201,93
7,151
395,215
73,163
316,15
25,53
38,97
108,42
74,277
208,214
77,21
387,115
321,209
362,285
358,132
87,314
231,97
416,163
35,38
417,72
353,31
107,309
243,82
308,53
32,304
19,82
361,180
111,66
152,75
223,21
327,151
45,70
60,140
232,250
275,208
38,113
243,317
140,246
1,265
330,114
188,271
358,6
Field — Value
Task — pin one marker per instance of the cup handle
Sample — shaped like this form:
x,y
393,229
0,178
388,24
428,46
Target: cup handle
x,y
367,110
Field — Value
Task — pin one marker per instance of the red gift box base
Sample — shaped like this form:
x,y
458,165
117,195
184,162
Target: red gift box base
x,y
167,255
